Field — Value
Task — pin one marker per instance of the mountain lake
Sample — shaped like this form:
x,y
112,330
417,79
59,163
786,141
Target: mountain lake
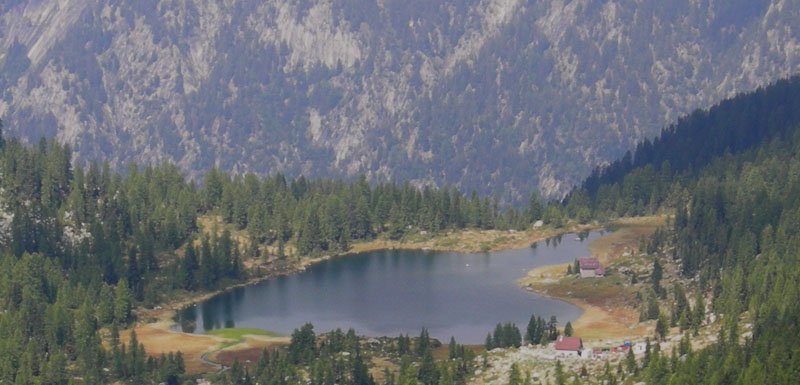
x,y
388,292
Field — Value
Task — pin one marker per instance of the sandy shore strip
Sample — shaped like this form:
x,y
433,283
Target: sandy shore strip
x,y
606,314
154,326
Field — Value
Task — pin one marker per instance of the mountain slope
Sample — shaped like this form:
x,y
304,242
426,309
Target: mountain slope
x,y
498,95
731,175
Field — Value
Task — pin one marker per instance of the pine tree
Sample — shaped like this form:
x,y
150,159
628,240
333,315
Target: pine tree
x,y
358,372
656,277
699,313
57,369
552,328
630,361
685,346
123,302
514,377
568,329
208,266
136,357
561,378
531,331
423,343
87,342
397,225
403,345
105,305
497,337
428,374
117,354
302,348
133,274
236,372
189,266
489,343
281,254
661,327
653,310
683,322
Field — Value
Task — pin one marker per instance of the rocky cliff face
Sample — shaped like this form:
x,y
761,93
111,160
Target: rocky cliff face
x,y
502,96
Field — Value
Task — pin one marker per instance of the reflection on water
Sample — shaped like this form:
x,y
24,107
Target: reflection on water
x,y
398,291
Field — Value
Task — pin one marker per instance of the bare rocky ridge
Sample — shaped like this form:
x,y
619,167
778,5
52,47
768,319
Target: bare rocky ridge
x,y
501,96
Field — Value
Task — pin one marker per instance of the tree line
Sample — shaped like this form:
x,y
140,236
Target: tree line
x,y
81,247
731,176
341,358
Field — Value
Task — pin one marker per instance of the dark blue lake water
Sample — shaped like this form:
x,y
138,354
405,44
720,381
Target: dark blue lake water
x,y
398,291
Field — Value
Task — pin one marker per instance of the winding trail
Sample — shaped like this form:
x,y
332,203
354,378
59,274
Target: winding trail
x,y
204,358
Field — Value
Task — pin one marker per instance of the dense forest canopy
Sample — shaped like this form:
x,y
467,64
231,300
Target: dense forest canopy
x,y
500,96
735,125
81,247
731,175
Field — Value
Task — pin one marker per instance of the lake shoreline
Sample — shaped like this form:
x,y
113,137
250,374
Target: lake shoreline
x,y
598,322
162,317
528,237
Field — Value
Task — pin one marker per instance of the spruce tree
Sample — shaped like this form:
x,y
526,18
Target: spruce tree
x,y
105,305
514,377
661,327
123,302
656,277
568,329
699,313
561,378
630,361
189,266
428,373
531,332
423,343
489,343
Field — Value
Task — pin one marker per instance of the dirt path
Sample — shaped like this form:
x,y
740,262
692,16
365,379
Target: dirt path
x,y
202,353
158,339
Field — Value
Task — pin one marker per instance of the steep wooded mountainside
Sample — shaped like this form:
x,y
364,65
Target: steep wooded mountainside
x,y
502,96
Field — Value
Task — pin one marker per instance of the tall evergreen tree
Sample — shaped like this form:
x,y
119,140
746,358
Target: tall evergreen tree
x,y
123,302
189,267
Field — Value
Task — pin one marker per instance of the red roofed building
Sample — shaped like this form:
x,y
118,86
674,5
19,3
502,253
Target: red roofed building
x,y
568,346
591,267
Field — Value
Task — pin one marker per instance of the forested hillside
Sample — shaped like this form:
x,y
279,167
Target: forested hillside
x,y
732,175
81,247
500,96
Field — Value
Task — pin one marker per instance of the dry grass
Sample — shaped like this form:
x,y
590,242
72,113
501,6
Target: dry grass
x,y
155,334
158,339
378,366
605,302
249,351
247,357
626,238
604,315
470,241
